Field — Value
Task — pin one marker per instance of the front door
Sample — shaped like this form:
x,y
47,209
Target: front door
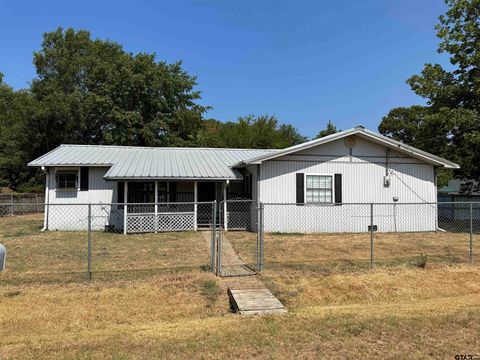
x,y
206,191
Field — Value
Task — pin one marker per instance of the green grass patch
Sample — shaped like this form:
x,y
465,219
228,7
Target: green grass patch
x,y
211,291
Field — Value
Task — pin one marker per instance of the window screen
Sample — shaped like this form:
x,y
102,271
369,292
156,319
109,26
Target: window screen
x,y
66,179
319,188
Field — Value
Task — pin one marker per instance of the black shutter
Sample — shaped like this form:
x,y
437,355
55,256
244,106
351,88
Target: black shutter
x,y
338,188
84,178
300,188
120,192
250,179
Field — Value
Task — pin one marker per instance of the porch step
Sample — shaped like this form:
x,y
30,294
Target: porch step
x,y
255,302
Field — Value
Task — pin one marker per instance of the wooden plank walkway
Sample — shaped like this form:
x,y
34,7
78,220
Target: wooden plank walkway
x,y
232,263
255,302
247,294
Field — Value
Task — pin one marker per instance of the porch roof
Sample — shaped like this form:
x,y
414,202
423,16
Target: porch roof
x,y
126,162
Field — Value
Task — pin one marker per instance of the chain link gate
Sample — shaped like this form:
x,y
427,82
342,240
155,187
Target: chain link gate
x,y
239,241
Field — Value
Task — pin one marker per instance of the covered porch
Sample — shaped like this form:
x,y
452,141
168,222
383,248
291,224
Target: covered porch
x,y
176,205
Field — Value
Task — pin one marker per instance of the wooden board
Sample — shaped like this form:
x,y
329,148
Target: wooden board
x,y
255,302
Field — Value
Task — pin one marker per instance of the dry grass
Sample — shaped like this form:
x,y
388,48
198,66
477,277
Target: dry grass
x,y
60,256
324,251
392,313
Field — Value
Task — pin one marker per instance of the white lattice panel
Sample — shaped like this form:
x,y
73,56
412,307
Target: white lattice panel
x,y
176,221
142,223
139,223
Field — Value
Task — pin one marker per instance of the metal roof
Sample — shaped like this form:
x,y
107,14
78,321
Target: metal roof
x,y
362,132
127,162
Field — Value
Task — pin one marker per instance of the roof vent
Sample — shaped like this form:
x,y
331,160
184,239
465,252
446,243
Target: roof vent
x,y
359,127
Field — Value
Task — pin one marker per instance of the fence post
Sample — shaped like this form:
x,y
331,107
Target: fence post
x,y
471,232
36,201
225,216
371,235
261,236
214,237
219,241
89,256
11,203
257,252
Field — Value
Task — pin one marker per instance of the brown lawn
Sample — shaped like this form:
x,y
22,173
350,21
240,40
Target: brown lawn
x,y
324,251
181,311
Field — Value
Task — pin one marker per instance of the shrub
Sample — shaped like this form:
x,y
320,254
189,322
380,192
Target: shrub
x,y
211,290
420,261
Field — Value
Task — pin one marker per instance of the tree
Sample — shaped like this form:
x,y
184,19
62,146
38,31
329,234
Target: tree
x,y
92,91
259,132
449,124
16,108
329,130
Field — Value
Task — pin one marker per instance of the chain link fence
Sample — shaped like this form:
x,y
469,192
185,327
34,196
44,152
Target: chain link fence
x,y
79,242
324,237
232,238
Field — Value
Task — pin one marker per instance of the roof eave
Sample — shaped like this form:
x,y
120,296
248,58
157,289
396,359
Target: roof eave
x,y
153,178
427,157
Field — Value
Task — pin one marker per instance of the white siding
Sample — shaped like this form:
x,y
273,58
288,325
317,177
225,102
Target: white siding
x,y
64,215
363,174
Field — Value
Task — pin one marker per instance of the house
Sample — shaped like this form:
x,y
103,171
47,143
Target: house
x,y
456,200
317,179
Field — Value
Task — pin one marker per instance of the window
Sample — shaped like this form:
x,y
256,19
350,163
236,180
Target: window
x,y
319,188
66,179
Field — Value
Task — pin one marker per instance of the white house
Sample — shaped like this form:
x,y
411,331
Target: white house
x,y
318,180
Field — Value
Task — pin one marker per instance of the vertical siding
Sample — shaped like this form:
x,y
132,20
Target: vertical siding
x,y
72,216
363,174
99,190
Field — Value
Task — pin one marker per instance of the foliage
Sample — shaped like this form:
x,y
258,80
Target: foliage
x,y
329,130
92,91
449,124
261,132
211,291
420,261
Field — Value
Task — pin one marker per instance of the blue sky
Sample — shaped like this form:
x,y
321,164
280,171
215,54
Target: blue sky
x,y
306,62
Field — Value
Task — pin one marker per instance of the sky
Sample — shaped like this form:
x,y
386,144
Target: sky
x,y
305,62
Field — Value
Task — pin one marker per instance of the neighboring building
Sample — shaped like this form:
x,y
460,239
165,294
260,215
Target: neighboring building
x,y
456,189
352,166
455,202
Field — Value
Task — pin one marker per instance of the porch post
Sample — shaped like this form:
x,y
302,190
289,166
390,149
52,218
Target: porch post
x,y
125,200
195,206
225,218
47,200
155,220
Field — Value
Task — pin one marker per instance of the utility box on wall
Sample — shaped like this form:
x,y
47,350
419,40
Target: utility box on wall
x,y
3,257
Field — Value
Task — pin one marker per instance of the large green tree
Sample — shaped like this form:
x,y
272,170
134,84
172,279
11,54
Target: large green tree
x,y
449,125
261,132
330,129
92,91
